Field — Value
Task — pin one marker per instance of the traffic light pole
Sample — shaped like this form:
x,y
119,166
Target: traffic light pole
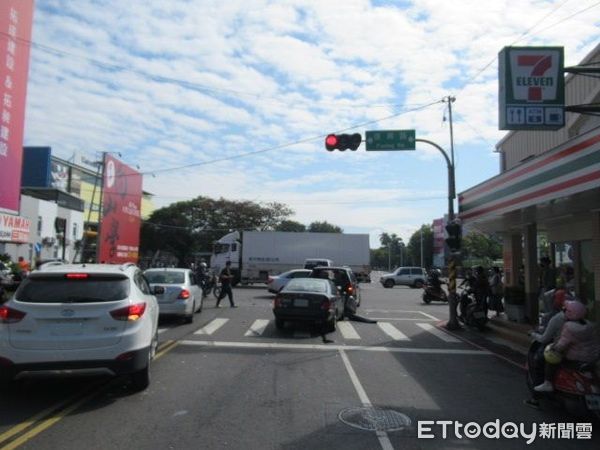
x,y
452,297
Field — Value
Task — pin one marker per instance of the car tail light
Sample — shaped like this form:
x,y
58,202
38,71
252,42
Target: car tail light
x,y
10,315
277,302
129,313
326,305
127,356
350,289
77,276
184,294
5,362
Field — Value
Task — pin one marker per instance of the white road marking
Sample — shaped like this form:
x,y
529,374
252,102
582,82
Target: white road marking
x,y
392,331
330,347
347,330
257,328
429,315
438,333
402,318
162,330
388,311
384,440
213,326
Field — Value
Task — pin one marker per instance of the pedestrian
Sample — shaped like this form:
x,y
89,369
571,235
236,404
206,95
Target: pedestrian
x,y
496,291
481,290
226,278
23,266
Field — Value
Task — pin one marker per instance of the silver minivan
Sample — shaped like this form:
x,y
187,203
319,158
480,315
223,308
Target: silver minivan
x,y
405,276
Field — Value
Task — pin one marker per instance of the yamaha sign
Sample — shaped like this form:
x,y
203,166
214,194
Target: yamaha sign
x,y
532,88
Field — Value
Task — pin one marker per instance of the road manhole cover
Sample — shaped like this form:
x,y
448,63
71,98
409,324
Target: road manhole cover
x,y
369,418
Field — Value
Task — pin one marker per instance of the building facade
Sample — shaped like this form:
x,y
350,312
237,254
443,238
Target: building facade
x,y
546,200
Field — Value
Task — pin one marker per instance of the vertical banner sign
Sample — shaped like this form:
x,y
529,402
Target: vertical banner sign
x,y
121,213
531,88
15,36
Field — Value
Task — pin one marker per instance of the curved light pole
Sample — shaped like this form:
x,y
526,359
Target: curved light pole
x,y
452,298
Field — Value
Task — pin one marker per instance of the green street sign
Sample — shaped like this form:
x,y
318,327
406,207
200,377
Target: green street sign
x,y
385,140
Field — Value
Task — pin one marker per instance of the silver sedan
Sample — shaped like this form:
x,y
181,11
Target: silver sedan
x,y
276,283
181,294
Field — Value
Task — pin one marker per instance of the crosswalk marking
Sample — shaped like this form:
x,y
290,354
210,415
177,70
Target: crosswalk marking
x,y
438,333
347,330
392,331
257,328
213,326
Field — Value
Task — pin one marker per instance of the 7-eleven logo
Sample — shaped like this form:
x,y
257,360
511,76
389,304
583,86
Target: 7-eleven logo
x,y
535,76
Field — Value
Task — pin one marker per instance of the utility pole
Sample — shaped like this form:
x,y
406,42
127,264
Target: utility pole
x,y
452,297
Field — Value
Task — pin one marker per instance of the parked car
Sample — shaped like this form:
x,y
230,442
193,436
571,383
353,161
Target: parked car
x,y
180,294
309,299
343,278
405,276
275,283
89,317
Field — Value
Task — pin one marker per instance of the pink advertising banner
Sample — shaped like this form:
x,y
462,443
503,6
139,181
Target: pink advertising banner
x,y
15,38
121,213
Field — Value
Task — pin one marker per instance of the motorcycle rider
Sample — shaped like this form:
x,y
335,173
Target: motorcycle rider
x,y
434,280
578,342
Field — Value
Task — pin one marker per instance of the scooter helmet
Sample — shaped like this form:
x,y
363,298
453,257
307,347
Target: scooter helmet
x,y
574,310
552,356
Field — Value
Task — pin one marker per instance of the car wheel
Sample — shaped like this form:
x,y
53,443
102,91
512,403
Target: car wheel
x,y
189,318
331,325
279,324
140,380
388,283
418,284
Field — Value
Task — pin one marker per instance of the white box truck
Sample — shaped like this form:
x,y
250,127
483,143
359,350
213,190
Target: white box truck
x,y
255,255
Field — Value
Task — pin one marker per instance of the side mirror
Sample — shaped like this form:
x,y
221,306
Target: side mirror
x,y
158,290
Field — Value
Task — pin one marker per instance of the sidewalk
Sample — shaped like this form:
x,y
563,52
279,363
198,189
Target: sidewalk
x,y
512,333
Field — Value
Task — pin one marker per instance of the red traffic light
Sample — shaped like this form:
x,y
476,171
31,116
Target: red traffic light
x,y
331,142
343,141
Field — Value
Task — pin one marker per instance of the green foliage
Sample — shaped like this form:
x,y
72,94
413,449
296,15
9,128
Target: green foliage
x,y
477,245
184,228
290,225
324,227
414,247
391,254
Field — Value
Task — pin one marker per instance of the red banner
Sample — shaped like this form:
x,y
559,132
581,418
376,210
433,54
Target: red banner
x,y
15,38
121,213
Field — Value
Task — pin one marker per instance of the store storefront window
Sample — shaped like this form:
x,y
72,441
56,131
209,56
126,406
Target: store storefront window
x,y
587,273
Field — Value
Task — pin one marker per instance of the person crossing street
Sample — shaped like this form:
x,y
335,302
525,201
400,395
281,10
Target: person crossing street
x,y
226,278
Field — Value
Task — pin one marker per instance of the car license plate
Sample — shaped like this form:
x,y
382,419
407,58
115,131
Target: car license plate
x,y
593,402
67,328
301,302
478,315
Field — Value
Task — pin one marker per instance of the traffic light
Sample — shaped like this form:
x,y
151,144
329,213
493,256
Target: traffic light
x,y
342,141
454,236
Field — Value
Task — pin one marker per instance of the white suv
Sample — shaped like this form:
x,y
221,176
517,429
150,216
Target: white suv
x,y
84,317
405,276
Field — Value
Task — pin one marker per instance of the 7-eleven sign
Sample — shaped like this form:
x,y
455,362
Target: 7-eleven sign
x,y
531,81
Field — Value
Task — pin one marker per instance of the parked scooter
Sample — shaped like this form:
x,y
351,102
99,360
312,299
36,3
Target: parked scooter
x,y
432,293
472,313
578,389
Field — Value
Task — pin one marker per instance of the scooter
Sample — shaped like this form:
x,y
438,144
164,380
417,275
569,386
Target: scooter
x,y
577,389
431,293
472,313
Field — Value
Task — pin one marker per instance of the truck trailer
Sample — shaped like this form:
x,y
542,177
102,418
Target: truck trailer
x,y
255,255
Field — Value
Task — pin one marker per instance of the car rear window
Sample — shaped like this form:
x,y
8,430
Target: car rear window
x,y
307,285
165,277
62,290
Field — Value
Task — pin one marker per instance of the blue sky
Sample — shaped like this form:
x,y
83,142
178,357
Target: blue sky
x,y
238,96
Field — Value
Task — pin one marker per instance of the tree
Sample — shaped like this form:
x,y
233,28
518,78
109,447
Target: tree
x,y
324,227
391,253
184,228
290,225
477,245
414,247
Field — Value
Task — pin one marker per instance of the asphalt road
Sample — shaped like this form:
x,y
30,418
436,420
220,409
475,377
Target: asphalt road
x,y
231,380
